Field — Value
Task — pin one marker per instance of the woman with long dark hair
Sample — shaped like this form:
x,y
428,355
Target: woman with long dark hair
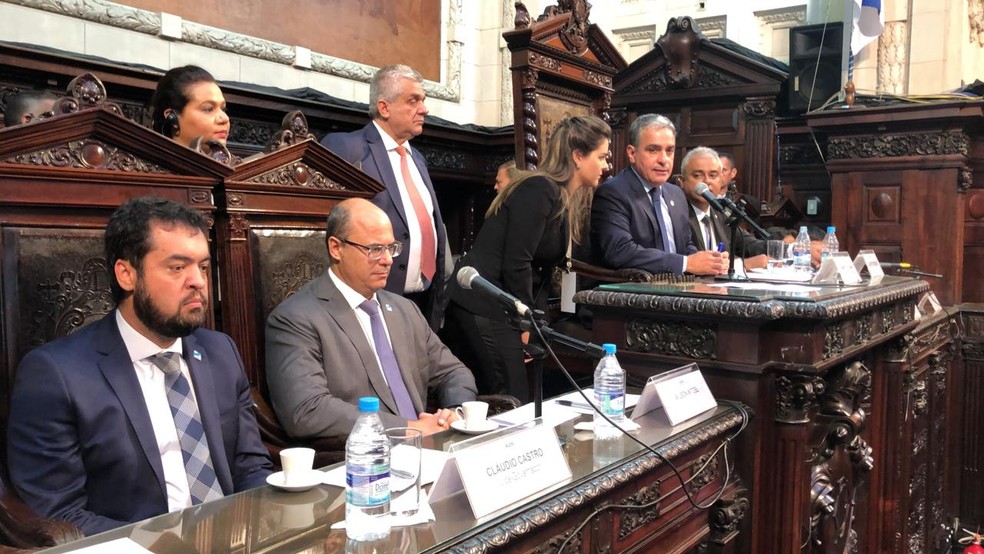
x,y
528,231
188,104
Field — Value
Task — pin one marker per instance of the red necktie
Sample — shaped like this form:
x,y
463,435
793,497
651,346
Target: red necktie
x,y
428,251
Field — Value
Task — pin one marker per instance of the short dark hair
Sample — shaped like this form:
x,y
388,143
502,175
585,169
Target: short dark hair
x,y
23,103
646,121
128,231
337,226
172,92
728,155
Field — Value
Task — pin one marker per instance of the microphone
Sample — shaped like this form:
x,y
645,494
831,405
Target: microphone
x,y
705,192
902,265
468,278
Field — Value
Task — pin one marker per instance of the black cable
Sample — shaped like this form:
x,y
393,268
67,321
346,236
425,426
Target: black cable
x,y
683,481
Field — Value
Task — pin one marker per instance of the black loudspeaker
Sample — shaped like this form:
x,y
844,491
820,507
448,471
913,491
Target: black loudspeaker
x,y
815,56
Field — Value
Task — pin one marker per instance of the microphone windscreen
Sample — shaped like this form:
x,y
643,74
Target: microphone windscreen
x,y
466,275
702,188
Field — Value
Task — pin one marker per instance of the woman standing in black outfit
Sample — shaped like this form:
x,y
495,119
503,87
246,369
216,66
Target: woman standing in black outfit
x,y
527,232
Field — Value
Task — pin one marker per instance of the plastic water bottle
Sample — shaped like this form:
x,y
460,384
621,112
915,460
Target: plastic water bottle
x,y
830,242
609,389
367,475
801,251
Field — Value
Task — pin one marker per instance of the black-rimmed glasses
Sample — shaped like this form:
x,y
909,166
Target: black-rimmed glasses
x,y
375,251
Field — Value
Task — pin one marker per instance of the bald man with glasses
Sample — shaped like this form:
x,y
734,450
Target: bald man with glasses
x,y
342,336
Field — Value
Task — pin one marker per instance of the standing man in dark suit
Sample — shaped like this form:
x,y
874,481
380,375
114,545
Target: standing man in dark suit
x,y
341,337
382,150
709,227
640,220
142,412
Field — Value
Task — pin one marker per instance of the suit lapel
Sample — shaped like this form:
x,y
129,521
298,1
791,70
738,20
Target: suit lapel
x,y
198,366
638,191
403,350
380,157
695,231
723,233
118,371
339,310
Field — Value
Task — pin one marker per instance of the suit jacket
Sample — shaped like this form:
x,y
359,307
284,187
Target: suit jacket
x,y
365,148
746,247
517,248
624,229
81,446
319,362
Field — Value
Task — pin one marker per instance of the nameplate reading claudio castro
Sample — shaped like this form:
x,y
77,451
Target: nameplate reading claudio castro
x,y
516,467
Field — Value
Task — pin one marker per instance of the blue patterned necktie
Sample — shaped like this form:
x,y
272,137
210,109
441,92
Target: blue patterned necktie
x,y
202,482
391,369
666,234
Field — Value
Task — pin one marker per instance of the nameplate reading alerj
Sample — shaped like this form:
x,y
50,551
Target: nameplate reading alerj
x,y
685,396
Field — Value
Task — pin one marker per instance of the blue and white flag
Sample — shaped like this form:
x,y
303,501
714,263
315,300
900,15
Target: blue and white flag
x,y
869,22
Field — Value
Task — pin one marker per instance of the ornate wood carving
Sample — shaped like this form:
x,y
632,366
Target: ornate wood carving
x,y
552,545
444,159
291,276
681,48
531,130
574,35
671,338
252,132
598,79
215,150
90,154
763,108
703,472
238,227
711,77
545,62
800,154
631,519
833,343
796,397
965,180
523,19
63,306
725,518
893,146
293,129
862,329
83,93
298,174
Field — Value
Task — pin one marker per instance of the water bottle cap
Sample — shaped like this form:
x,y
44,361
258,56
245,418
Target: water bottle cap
x,y
609,348
368,404
802,228
831,229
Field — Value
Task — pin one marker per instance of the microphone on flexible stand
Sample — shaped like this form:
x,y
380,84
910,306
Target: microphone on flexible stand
x,y
705,192
468,278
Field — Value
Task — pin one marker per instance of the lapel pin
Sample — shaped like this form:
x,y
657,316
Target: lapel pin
x,y
197,355
672,203
389,308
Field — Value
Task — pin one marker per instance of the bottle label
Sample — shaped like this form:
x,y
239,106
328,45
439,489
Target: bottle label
x,y
612,404
368,489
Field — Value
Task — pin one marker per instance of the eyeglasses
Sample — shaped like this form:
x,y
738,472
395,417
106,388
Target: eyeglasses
x,y
375,251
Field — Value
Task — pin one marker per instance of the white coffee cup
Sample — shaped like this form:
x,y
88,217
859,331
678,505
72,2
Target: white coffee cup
x,y
474,413
297,464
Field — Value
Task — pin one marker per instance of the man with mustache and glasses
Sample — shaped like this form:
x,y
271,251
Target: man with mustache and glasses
x,y
343,336
142,412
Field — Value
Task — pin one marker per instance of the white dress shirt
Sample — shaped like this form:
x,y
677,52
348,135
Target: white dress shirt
x,y
151,379
414,283
355,299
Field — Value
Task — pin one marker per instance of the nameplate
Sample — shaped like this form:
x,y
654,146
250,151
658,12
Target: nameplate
x,y
685,395
507,469
837,268
928,304
867,260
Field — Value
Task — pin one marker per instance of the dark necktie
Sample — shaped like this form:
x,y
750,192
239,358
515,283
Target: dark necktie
x,y
391,370
428,250
708,237
202,482
657,199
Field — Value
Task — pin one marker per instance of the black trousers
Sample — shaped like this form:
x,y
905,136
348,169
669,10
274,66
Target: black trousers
x,y
492,349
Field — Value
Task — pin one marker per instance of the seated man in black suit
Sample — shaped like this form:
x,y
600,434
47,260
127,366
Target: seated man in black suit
x,y
142,412
639,220
708,226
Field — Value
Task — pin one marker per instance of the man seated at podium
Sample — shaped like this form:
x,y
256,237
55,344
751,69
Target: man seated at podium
x,y
142,412
709,227
341,337
640,220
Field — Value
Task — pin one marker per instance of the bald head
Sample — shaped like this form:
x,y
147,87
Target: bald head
x,y
355,230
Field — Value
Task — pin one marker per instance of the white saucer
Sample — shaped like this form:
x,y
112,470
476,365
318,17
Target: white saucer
x,y
459,425
309,480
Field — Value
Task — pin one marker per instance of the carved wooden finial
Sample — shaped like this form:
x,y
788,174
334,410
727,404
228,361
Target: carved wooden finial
x,y
849,94
681,48
293,129
522,19
85,92
215,150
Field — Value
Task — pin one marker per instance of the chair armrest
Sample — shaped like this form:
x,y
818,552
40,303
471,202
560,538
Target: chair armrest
x,y
327,450
626,275
499,403
23,528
